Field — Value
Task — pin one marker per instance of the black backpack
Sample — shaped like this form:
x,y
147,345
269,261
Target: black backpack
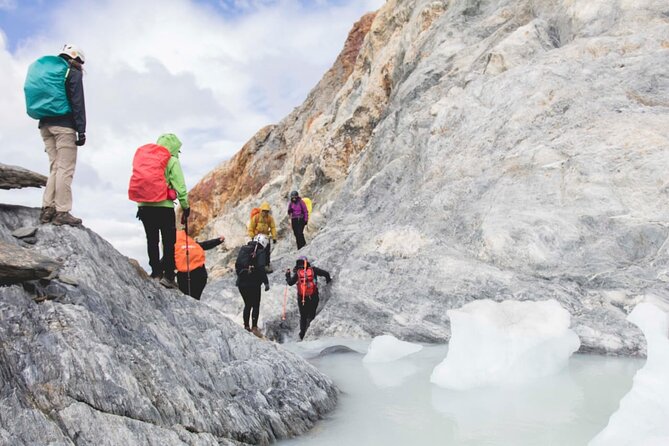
x,y
246,259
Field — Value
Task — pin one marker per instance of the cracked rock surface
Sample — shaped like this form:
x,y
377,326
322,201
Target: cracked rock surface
x,y
115,359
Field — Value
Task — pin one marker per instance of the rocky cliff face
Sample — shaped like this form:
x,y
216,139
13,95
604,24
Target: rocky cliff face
x,y
97,353
504,149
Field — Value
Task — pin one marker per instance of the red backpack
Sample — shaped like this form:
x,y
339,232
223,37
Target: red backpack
x,y
148,183
306,286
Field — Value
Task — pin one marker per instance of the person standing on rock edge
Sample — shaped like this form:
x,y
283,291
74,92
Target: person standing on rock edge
x,y
159,219
251,274
263,223
191,271
306,277
299,217
54,92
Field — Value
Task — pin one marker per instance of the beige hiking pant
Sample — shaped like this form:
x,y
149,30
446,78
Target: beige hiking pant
x,y
59,146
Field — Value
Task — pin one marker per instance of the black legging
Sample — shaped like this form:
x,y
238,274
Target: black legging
x,y
159,222
307,312
251,296
198,280
298,230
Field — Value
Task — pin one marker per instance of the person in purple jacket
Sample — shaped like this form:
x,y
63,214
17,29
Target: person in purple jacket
x,y
299,217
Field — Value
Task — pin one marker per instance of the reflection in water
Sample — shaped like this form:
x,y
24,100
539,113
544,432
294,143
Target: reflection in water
x,y
395,403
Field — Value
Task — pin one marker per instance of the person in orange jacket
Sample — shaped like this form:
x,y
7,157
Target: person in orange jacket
x,y
191,271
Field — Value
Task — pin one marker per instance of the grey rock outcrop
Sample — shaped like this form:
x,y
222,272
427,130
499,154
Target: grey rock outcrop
x,y
14,177
117,359
504,149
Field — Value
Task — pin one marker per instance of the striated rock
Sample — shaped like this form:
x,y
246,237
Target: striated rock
x,y
27,232
505,149
118,359
13,177
19,264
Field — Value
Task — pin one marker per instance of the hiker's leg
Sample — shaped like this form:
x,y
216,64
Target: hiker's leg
x,y
247,305
303,316
256,306
268,251
198,280
66,161
182,281
295,224
312,305
49,197
168,232
148,217
298,227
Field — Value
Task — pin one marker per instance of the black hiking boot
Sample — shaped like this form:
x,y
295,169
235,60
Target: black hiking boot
x,y
47,214
168,283
247,328
65,218
256,332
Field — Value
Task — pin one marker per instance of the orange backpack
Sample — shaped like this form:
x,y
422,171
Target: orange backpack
x,y
254,212
306,286
195,253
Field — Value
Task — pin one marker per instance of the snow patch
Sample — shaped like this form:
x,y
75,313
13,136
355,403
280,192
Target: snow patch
x,y
505,343
387,348
644,411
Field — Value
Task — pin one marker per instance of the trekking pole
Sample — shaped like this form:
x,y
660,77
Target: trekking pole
x,y
285,299
187,255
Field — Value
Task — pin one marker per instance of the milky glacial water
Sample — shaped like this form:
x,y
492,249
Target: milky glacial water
x,y
395,403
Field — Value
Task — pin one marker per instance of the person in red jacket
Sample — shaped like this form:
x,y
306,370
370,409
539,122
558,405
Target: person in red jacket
x,y
306,276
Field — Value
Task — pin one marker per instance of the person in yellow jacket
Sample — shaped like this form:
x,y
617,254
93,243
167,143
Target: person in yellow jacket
x,y
263,223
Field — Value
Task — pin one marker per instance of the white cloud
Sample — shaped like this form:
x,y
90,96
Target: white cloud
x,y
182,68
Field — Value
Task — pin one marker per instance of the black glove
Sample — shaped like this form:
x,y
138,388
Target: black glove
x,y
273,240
81,139
184,215
267,287
328,280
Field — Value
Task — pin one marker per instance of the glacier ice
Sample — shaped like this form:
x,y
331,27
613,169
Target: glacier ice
x,y
642,418
505,343
387,348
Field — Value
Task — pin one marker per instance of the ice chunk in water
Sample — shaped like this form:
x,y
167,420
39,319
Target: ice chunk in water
x,y
505,343
387,348
643,416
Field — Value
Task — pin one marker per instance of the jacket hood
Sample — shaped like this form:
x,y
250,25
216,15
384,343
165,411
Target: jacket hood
x,y
265,206
171,143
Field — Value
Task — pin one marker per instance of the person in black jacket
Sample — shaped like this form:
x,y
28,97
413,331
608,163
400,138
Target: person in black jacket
x,y
306,277
251,274
62,135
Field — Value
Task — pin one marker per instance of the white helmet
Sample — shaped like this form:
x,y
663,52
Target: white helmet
x,y
262,239
73,51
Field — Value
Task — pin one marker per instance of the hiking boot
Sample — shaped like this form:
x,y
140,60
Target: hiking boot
x,y
247,328
65,218
47,214
168,283
256,332
156,276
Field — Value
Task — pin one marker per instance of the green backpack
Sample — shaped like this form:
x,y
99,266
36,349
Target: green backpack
x,y
45,88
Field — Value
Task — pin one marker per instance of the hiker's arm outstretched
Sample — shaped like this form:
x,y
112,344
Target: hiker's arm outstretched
x,y
322,273
209,244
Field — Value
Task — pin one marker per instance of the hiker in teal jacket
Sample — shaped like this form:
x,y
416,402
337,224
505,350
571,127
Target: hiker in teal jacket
x,y
159,218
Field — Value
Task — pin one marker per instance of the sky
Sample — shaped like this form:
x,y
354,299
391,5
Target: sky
x,y
211,71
